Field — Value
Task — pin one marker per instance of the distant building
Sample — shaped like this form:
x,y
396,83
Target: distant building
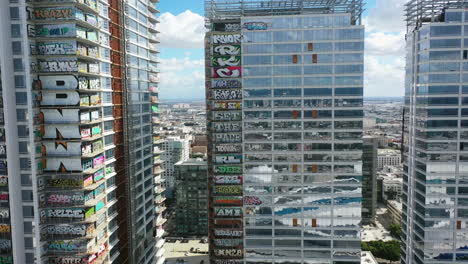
x,y
394,211
391,188
191,198
388,157
176,149
369,179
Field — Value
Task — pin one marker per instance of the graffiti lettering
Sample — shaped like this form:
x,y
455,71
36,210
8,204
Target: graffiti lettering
x,y
228,242
228,252
229,223
67,260
227,138
5,228
227,116
226,61
4,213
255,26
228,261
56,48
63,213
226,84
226,39
31,30
94,84
223,169
6,260
4,196
227,94
227,148
5,244
228,233
228,212
65,198
220,180
228,201
227,27
252,200
227,105
223,50
64,183
228,72
67,30
54,13
226,127
58,66
63,245
228,189
79,230
228,159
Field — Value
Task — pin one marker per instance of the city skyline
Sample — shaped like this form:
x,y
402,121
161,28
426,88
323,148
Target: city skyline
x,y
182,28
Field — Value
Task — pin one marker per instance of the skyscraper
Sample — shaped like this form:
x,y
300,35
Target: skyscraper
x,y
435,184
79,100
284,98
369,179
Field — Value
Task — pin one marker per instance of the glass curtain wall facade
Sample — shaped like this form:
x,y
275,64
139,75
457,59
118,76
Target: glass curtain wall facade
x,y
298,194
435,186
191,181
67,113
369,181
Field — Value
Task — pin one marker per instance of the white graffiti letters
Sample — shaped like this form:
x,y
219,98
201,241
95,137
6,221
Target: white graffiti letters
x,y
227,50
229,72
58,66
227,39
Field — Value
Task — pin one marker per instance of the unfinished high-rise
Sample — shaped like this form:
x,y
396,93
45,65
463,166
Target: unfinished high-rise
x,y
79,179
285,106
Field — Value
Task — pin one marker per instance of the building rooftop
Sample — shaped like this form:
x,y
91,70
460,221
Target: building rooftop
x,y
190,251
388,152
419,12
232,9
192,162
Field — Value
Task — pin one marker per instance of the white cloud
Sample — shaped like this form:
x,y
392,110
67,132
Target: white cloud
x,y
185,30
385,44
384,78
182,78
385,49
387,15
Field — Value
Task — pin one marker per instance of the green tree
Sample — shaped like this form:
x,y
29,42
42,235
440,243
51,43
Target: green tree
x,y
389,250
395,231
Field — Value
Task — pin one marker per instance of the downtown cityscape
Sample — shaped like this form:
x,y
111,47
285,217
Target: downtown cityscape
x,y
233,131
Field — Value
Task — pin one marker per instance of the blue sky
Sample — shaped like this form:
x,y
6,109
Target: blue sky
x,y
182,63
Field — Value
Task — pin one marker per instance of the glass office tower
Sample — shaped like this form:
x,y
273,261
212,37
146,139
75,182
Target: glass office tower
x,y
79,80
284,91
435,200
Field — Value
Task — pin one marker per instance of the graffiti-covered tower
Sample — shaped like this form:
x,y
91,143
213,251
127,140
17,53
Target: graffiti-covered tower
x,y
284,96
79,163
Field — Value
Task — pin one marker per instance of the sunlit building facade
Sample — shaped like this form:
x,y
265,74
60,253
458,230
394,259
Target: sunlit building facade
x,y
284,90
435,185
79,100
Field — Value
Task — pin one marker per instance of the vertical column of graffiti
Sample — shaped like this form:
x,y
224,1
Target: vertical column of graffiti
x,y
224,96
5,224
67,88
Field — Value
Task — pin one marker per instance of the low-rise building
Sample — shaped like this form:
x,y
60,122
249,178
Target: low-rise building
x,y
394,211
388,157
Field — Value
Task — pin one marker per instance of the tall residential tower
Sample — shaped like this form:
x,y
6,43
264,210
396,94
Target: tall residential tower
x,y
284,98
79,102
435,182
